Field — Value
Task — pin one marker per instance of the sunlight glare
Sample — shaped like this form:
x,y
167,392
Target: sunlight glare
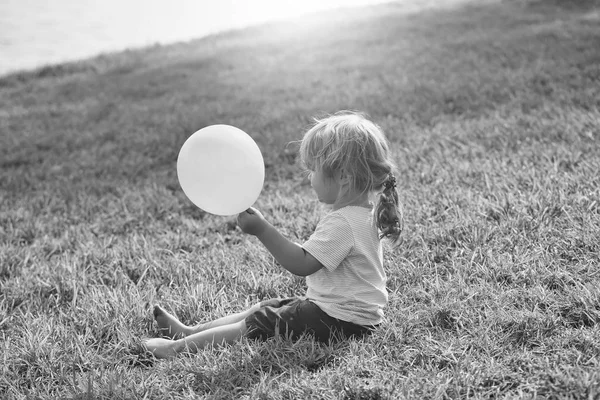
x,y
241,12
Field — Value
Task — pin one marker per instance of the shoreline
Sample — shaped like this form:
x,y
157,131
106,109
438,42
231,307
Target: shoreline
x,y
68,63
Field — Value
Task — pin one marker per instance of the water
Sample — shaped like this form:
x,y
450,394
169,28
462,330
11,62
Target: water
x,y
39,32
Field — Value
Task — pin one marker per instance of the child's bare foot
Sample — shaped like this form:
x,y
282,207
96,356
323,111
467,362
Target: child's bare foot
x,y
160,348
168,325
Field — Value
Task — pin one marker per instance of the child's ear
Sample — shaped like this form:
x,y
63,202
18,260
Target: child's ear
x,y
343,178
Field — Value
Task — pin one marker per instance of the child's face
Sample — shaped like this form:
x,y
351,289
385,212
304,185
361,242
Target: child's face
x,y
326,187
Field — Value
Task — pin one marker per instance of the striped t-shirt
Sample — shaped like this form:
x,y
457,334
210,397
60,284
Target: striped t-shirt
x,y
351,287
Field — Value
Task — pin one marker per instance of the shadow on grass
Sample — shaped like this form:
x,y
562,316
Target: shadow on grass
x,y
243,365
246,366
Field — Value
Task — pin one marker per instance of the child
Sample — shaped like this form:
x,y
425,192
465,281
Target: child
x,y
349,161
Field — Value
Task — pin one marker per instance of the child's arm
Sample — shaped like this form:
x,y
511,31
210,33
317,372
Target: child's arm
x,y
290,255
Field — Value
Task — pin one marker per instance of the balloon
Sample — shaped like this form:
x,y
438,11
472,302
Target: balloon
x,y
221,169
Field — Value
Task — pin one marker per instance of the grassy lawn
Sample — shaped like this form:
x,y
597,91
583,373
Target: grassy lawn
x,y
493,111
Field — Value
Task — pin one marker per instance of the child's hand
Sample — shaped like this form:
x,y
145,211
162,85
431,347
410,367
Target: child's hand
x,y
252,221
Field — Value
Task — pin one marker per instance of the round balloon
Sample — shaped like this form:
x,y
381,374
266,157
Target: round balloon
x,y
221,169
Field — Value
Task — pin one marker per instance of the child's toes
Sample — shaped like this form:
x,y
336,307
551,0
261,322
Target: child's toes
x,y
159,348
158,311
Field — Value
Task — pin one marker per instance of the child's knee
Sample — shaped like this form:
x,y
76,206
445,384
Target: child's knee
x,y
254,308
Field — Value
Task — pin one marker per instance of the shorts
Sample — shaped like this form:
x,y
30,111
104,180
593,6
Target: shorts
x,y
294,317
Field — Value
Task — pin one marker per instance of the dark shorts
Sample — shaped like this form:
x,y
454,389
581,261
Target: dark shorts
x,y
294,317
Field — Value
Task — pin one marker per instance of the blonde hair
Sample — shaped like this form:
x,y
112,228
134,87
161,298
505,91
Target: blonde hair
x,y
350,143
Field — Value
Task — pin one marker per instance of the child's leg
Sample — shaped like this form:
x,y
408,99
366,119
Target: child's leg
x,y
165,348
169,326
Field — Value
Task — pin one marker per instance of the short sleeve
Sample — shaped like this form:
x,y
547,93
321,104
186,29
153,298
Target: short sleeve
x,y
331,241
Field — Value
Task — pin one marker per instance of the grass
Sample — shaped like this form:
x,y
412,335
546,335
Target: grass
x,y
493,110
